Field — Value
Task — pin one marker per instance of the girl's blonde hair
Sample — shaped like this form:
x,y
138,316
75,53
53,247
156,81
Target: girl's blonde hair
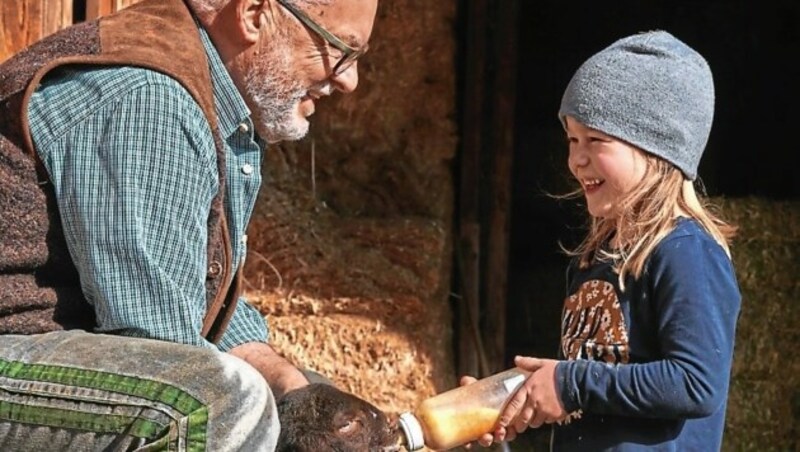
x,y
645,216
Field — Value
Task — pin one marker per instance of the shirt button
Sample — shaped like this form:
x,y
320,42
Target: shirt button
x,y
214,269
247,169
244,128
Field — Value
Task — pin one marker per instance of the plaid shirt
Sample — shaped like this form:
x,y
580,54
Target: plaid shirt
x,y
134,168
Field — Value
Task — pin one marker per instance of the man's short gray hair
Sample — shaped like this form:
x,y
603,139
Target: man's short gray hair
x,y
203,7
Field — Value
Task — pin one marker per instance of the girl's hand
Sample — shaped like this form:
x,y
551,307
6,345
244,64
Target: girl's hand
x,y
519,411
543,400
487,439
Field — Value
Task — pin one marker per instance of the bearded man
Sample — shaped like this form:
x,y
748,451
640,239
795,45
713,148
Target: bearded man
x,y
130,154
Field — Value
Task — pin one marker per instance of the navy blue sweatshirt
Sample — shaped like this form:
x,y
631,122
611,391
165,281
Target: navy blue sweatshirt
x,y
649,368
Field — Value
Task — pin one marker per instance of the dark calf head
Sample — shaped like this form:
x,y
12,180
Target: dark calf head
x,y
320,417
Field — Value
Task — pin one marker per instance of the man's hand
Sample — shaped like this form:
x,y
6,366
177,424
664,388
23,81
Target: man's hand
x,y
280,374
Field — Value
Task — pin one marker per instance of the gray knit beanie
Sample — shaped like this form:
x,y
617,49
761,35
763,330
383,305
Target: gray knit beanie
x,y
650,90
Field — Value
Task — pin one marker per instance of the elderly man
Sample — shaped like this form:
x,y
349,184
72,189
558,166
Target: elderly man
x,y
130,150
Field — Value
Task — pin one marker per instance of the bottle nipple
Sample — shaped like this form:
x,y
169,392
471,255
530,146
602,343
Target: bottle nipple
x,y
412,430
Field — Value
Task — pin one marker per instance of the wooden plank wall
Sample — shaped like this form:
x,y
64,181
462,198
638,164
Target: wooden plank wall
x,y
23,22
97,8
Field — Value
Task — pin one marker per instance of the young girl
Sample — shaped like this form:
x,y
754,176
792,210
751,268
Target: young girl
x,y
648,326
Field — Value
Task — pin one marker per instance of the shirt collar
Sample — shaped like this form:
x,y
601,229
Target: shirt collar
x,y
231,109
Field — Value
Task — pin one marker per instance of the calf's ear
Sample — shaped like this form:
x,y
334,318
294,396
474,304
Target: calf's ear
x,y
349,423
315,377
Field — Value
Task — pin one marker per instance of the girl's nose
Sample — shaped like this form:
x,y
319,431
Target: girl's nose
x,y
578,156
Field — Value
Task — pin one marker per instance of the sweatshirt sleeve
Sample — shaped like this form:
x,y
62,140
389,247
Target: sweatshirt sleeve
x,y
691,285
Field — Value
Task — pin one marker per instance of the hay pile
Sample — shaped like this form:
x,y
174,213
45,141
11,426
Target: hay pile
x,y
359,300
764,403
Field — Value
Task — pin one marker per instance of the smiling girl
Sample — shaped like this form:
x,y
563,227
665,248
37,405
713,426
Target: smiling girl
x,y
648,325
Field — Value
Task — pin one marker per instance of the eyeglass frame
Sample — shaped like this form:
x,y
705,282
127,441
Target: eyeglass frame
x,y
350,54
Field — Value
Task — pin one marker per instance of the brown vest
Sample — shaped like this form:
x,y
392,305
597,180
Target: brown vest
x,y
39,285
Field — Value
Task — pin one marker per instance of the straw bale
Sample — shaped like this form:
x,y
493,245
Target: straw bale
x,y
386,149
763,420
379,349
764,402
361,300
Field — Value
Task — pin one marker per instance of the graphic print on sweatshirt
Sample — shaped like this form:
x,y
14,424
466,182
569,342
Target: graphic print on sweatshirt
x,y
593,326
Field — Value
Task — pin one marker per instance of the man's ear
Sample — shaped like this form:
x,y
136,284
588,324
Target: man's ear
x,y
251,18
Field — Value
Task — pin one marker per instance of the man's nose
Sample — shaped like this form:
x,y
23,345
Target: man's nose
x,y
347,81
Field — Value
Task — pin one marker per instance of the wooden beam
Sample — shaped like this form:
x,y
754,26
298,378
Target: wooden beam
x,y
469,231
98,8
500,150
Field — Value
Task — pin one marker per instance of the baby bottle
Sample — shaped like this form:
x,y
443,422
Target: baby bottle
x,y
460,415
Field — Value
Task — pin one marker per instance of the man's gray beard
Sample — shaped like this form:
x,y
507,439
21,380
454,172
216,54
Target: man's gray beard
x,y
275,97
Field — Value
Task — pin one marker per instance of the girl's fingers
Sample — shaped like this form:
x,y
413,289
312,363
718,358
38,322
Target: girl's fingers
x,y
538,419
514,406
528,363
521,423
511,434
486,440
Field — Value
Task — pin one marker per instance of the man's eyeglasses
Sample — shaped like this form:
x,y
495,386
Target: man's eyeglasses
x,y
350,54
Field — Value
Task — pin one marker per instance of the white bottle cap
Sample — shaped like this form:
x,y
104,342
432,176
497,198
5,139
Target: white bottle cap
x,y
413,431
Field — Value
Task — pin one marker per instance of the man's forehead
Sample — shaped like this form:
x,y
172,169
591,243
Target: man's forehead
x,y
350,20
